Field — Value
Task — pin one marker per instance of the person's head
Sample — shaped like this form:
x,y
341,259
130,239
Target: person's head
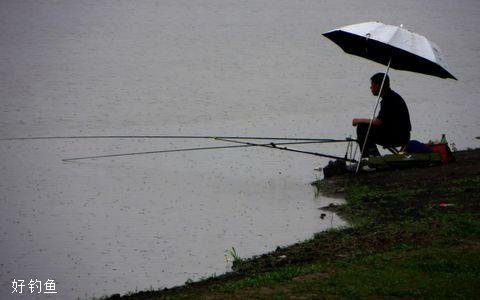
x,y
376,83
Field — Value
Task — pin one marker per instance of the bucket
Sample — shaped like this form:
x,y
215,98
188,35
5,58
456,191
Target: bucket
x,y
443,150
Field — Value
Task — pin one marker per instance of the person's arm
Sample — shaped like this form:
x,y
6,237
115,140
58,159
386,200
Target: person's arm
x,y
375,122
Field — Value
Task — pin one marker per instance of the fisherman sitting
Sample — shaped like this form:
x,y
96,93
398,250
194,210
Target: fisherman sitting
x,y
391,127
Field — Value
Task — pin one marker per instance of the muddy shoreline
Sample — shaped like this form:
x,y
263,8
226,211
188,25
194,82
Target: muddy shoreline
x,y
401,211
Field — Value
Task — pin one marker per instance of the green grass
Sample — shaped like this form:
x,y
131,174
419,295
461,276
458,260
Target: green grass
x,y
428,272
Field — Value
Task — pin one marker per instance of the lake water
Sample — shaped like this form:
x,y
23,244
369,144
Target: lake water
x,y
261,68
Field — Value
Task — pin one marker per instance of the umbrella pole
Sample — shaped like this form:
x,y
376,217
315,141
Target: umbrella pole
x,y
373,116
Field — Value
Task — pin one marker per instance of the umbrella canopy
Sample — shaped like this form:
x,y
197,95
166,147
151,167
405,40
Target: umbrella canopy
x,y
391,45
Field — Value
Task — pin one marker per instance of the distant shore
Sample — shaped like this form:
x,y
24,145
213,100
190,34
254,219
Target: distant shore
x,y
414,234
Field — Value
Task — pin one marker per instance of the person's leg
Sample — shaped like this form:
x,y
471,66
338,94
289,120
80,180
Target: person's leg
x,y
370,147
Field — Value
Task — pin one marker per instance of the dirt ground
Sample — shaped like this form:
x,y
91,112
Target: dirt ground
x,y
467,163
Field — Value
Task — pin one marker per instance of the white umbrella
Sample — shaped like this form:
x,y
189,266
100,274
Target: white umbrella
x,y
392,46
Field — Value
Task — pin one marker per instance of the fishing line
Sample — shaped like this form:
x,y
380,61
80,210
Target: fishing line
x,y
180,150
169,137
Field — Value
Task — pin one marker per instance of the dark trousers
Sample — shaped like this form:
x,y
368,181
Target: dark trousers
x,y
378,135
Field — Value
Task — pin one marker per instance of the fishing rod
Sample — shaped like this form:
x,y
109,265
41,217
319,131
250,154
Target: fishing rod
x,y
182,150
275,146
169,137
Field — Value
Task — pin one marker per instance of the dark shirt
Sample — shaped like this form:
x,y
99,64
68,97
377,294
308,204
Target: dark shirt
x,y
394,115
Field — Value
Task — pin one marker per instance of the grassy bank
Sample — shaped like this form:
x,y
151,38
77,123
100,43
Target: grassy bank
x,y
415,234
